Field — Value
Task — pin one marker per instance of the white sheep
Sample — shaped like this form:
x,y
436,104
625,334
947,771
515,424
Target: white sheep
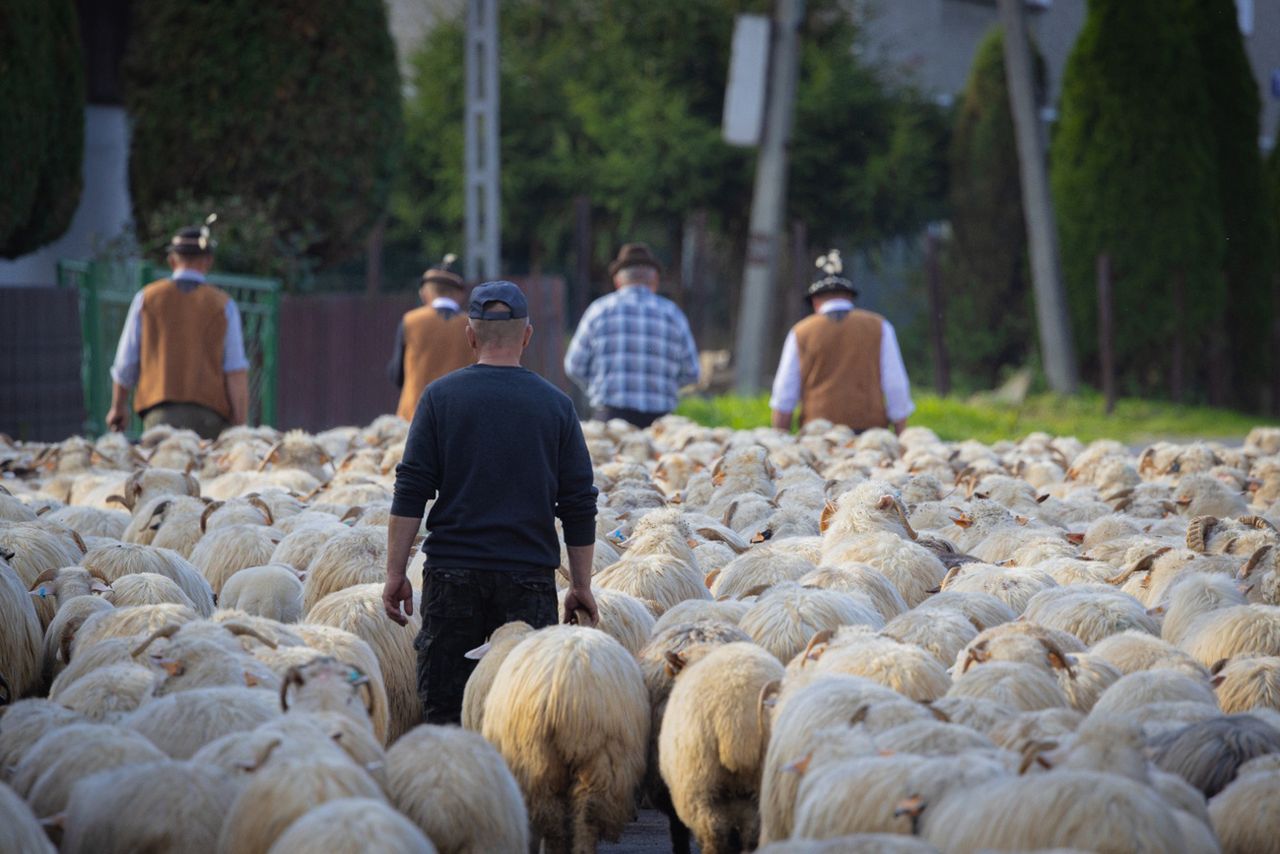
x,y
21,655
273,591
1232,631
569,713
1132,651
1022,686
712,744
908,669
353,826
913,569
149,806
786,616
491,655
457,789
1248,682
764,564
301,544
1133,692
1091,612
226,550
1241,813
22,829
358,556
277,794
941,632
661,579
114,561
106,694
859,578
358,610
693,610
182,723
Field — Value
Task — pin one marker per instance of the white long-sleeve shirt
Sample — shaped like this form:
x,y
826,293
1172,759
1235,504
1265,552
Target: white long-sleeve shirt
x,y
893,373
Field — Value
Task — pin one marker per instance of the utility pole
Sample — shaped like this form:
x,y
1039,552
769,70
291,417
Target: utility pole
x,y
1037,205
769,199
483,214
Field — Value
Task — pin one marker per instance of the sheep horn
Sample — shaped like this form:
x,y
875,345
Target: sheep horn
x,y
582,618
118,499
292,676
1218,665
1033,753
727,518
902,514
818,639
675,663
1259,522
710,578
1198,532
951,576
754,591
1143,564
7,553
912,807
208,511
240,630
1058,658
271,453
42,510
1252,563
79,541
7,697
264,507
767,699
860,714
193,485
262,757
353,513
97,573
165,631
43,578
936,712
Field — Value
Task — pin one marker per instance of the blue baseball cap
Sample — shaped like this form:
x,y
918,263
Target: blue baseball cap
x,y
504,292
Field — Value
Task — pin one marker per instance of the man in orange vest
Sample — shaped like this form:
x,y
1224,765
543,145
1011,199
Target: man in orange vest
x,y
182,349
841,364
431,341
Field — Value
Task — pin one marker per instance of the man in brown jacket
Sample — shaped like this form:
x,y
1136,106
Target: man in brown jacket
x,y
841,364
182,349
431,341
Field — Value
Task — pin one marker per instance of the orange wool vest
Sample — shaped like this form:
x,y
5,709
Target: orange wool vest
x,y
183,335
840,369
433,347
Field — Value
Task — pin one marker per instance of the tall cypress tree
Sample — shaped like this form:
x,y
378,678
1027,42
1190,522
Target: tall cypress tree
x,y
1134,175
1248,250
989,276
41,122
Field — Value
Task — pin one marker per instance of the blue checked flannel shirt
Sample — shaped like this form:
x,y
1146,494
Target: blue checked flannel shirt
x,y
633,350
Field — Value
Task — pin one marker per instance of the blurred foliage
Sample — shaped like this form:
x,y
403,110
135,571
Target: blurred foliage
x,y
1134,174
955,419
987,272
41,122
621,101
293,104
249,240
1248,230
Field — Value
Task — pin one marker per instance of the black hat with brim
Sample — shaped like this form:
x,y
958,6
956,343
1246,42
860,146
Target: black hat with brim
x,y
193,239
830,285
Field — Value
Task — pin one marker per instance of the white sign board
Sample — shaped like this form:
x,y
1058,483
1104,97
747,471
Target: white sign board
x,y
744,96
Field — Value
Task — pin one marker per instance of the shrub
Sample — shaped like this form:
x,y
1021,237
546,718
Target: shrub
x,y
41,122
294,104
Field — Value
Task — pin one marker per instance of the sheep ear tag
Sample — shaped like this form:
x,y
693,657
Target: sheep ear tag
x,y
477,653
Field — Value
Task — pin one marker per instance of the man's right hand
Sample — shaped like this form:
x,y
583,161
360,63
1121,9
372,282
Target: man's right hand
x,y
580,598
117,419
394,594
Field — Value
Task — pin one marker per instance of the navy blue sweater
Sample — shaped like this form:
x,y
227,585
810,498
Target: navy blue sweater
x,y
503,449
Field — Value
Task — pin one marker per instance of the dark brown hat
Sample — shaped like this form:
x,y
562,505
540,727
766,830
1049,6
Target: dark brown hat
x,y
633,255
444,274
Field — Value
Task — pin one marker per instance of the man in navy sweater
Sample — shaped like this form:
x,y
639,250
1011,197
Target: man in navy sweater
x,y
501,451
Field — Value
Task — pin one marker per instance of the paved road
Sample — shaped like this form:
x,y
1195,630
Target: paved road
x,y
646,835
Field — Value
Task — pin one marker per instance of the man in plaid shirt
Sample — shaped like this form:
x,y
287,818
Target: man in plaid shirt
x,y
633,351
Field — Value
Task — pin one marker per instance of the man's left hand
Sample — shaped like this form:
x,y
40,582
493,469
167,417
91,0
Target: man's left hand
x,y
394,594
576,600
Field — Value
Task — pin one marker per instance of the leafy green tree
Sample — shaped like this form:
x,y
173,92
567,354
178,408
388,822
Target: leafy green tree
x,y
41,122
621,100
294,103
1249,257
989,276
1134,175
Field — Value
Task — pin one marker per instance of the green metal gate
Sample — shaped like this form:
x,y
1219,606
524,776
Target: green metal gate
x,y
107,288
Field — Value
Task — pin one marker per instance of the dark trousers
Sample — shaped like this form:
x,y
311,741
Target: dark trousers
x,y
460,609
186,416
631,416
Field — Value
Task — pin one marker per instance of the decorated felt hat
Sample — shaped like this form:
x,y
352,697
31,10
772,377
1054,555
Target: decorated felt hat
x,y
634,255
830,277
193,239
444,273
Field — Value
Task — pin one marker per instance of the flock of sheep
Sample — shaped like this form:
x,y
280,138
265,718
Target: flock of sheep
x,y
812,643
